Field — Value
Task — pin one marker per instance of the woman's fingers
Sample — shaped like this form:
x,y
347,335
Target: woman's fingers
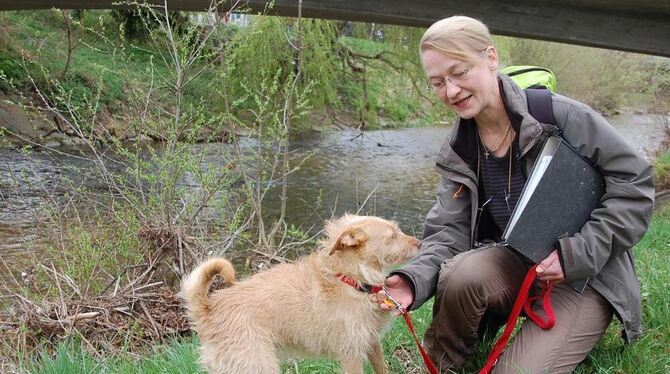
x,y
550,269
380,298
395,281
397,287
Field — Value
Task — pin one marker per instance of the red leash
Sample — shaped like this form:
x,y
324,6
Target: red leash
x,y
364,287
522,301
525,302
426,359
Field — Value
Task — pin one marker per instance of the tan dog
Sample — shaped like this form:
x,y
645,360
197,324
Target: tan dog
x,y
303,308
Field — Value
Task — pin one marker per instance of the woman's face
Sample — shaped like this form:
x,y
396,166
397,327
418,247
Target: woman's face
x,y
468,94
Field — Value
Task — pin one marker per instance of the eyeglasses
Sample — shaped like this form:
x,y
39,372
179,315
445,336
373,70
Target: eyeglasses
x,y
453,78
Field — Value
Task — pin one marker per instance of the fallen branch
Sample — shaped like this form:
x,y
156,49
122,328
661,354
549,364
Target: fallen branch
x,y
71,320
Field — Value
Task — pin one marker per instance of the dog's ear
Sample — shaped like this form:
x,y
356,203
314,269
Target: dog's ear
x,y
351,238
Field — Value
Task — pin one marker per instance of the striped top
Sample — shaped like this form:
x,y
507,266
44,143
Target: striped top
x,y
495,179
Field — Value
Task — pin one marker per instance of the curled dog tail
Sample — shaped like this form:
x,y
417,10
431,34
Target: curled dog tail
x,y
195,287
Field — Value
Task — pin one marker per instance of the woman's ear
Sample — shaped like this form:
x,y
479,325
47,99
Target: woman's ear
x,y
492,57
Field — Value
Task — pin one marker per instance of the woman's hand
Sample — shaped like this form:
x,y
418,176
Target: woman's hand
x,y
549,270
399,289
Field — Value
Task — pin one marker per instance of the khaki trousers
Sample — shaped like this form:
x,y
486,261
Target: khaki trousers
x,y
475,293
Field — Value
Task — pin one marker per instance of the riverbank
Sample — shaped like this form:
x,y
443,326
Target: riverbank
x,y
82,65
86,67
647,355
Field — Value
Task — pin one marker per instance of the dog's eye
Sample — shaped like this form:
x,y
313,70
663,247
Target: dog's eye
x,y
394,235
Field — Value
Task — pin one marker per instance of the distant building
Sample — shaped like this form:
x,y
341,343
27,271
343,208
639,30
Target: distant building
x,y
240,19
208,19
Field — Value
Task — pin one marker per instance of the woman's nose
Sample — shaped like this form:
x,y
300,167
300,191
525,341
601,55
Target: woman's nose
x,y
452,89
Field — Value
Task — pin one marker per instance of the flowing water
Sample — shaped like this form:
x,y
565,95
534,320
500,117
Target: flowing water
x,y
388,173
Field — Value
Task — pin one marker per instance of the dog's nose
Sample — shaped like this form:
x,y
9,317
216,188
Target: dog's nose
x,y
416,242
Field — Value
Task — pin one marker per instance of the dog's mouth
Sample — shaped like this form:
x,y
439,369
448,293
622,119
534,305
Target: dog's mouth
x,y
415,244
409,252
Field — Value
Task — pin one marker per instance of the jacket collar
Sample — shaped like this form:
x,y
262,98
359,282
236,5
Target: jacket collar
x,y
459,151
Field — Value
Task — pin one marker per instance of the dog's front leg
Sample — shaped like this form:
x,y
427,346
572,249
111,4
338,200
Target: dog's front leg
x,y
376,358
352,366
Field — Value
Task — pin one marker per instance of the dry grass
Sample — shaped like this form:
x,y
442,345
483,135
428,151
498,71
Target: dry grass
x,y
137,306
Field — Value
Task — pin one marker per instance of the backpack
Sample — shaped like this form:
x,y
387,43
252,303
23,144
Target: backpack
x,y
538,83
531,77
540,106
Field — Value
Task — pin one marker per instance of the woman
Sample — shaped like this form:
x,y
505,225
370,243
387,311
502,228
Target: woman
x,y
484,165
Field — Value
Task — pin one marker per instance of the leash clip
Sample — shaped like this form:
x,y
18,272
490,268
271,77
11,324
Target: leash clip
x,y
390,298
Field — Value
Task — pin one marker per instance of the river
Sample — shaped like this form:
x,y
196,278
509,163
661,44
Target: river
x,y
391,171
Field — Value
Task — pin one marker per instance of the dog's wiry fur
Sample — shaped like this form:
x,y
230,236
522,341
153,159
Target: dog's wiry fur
x,y
300,309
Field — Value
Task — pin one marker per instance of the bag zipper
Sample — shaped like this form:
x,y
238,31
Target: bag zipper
x,y
527,70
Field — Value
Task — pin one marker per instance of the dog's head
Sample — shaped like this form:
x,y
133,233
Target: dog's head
x,y
375,241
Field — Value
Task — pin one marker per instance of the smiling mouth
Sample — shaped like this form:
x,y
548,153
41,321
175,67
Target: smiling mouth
x,y
462,101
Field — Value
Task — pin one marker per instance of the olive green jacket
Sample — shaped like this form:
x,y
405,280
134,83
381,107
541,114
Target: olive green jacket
x,y
600,251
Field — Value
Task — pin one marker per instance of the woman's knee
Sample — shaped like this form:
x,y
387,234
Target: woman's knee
x,y
465,272
481,272
465,278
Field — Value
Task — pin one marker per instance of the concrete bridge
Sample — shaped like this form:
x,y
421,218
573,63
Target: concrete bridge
x,y
630,25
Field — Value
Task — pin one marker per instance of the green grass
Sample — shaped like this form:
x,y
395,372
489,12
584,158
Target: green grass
x,y
650,354
179,356
35,45
662,171
365,46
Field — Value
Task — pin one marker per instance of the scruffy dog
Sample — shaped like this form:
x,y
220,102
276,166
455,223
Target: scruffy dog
x,y
300,309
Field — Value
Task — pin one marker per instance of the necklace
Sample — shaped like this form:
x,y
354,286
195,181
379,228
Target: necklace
x,y
507,192
487,150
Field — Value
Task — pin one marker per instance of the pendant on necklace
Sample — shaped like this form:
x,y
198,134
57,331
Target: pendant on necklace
x,y
507,196
486,152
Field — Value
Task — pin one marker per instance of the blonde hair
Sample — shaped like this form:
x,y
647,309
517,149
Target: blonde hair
x,y
458,37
